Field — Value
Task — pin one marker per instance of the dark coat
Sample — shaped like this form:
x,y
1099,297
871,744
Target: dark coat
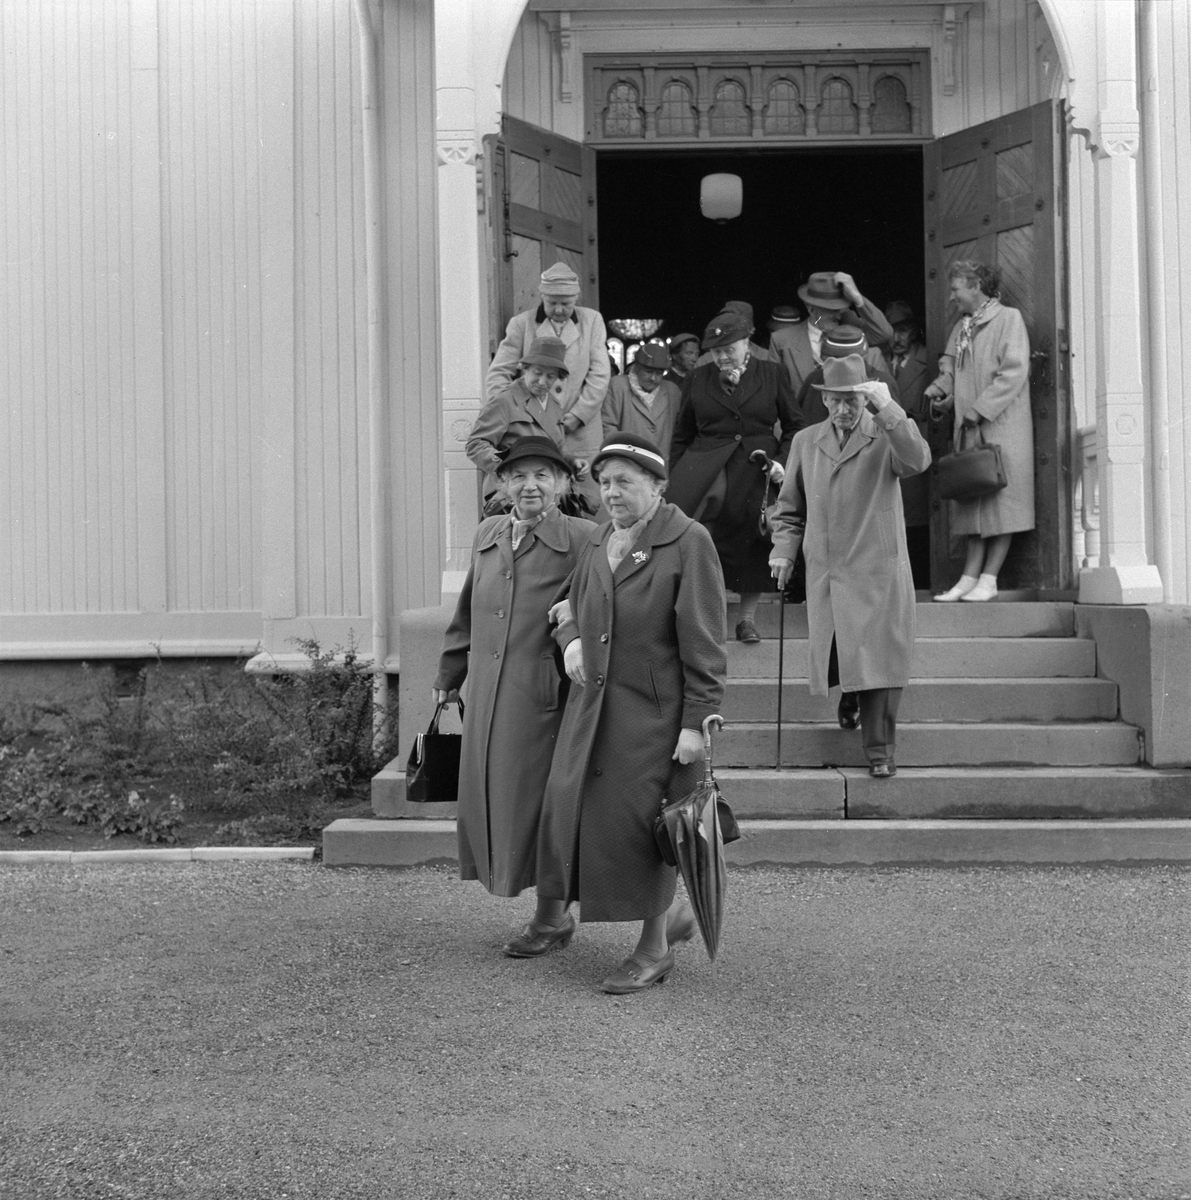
x,y
653,649
717,432
844,508
912,378
499,641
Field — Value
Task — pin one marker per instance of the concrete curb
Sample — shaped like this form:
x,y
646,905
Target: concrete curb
x,y
23,858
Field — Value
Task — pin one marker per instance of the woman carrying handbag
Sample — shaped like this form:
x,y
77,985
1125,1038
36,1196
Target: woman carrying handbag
x,y
984,381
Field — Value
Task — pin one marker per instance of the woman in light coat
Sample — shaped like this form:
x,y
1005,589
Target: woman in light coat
x,y
842,503
643,639
500,642
984,379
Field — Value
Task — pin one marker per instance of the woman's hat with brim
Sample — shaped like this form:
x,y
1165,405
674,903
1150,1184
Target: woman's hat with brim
x,y
634,449
725,329
842,341
680,339
653,355
784,314
535,446
822,291
843,374
548,352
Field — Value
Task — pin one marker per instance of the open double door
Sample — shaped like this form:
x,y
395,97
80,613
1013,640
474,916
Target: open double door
x,y
993,193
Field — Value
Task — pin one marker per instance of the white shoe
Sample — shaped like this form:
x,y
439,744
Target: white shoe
x,y
961,589
985,589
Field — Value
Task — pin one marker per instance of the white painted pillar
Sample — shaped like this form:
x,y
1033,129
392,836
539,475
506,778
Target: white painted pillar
x,y
1125,574
462,281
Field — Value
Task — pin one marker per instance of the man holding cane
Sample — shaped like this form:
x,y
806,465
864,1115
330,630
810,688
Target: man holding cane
x,y
841,502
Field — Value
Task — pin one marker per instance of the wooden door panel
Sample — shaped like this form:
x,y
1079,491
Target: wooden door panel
x,y
995,194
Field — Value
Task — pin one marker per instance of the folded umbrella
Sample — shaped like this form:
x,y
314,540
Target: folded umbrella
x,y
691,833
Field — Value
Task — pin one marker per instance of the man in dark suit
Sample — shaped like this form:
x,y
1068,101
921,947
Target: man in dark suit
x,y
906,356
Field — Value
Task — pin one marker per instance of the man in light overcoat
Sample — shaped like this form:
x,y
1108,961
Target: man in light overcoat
x,y
581,393
841,501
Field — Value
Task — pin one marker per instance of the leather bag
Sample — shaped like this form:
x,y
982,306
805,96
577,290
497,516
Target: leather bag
x,y
432,772
970,474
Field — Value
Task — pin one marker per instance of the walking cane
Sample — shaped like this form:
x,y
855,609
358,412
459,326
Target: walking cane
x,y
766,464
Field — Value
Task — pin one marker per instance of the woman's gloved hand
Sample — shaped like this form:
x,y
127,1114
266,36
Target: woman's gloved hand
x,y
572,659
689,748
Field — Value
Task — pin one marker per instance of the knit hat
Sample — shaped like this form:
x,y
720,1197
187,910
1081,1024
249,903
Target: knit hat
x,y
632,448
559,280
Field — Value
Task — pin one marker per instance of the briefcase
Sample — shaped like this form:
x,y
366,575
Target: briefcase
x,y
432,772
970,474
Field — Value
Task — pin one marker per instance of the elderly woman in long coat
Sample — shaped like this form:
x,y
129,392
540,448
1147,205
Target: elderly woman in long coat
x,y
643,632
500,642
730,408
984,379
842,503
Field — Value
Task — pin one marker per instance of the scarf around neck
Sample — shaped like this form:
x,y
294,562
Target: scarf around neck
x,y
623,538
521,528
731,377
964,345
646,398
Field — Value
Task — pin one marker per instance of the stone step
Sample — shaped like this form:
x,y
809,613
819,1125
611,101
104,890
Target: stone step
x,y
957,792
352,842
938,658
935,744
1016,620
938,700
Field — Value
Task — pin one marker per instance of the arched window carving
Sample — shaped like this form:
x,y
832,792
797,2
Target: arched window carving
x,y
837,110
783,112
891,108
729,114
622,117
677,116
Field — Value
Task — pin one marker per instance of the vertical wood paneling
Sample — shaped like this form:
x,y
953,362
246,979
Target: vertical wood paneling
x,y
68,502
331,314
415,391
212,219
530,86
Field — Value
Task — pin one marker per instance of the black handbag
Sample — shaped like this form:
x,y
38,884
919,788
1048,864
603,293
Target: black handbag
x,y
971,474
432,772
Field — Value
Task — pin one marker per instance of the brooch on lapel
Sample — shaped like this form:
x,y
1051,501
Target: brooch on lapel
x,y
639,556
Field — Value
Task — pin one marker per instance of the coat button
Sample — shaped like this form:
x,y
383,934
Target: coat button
x,y
600,680
603,637
739,437
597,771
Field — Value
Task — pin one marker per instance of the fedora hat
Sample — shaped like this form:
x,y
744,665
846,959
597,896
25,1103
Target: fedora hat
x,y
653,355
726,328
822,291
535,446
547,352
843,374
842,341
634,449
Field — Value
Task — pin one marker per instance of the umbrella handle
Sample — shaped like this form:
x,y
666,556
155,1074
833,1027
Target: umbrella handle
x,y
716,722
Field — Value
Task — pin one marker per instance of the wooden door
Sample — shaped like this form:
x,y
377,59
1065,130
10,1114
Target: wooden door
x,y
544,212
995,193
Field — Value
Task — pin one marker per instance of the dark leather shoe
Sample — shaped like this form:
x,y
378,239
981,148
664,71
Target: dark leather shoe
x,y
633,975
746,631
849,711
533,942
680,925
883,770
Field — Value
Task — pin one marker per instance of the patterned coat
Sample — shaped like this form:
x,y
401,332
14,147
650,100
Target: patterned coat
x,y
499,641
582,392
653,649
626,412
993,381
717,432
844,507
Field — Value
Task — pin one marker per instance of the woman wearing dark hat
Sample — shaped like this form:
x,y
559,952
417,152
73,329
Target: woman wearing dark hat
x,y
642,631
842,503
729,411
642,400
499,641
684,354
527,407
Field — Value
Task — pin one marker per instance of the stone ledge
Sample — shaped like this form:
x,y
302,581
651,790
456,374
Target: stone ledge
x,y
179,854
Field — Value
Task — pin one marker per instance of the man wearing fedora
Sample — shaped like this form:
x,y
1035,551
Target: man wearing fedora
x,y
831,298
642,401
582,332
838,342
527,407
841,502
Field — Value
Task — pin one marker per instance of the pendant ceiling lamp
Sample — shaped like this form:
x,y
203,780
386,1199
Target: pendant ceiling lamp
x,y
721,197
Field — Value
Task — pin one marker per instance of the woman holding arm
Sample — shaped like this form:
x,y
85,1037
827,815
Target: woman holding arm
x,y
643,639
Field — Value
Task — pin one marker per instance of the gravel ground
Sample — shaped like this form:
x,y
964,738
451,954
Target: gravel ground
x,y
232,1030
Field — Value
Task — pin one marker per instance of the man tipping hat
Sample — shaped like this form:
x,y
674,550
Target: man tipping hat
x,y
580,394
839,342
831,298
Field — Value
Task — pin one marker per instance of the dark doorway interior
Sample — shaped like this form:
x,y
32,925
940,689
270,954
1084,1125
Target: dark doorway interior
x,y
850,210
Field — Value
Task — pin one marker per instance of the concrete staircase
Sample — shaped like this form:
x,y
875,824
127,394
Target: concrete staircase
x,y
1010,748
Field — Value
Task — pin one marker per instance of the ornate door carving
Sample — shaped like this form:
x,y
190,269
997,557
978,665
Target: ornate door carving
x,y
995,193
